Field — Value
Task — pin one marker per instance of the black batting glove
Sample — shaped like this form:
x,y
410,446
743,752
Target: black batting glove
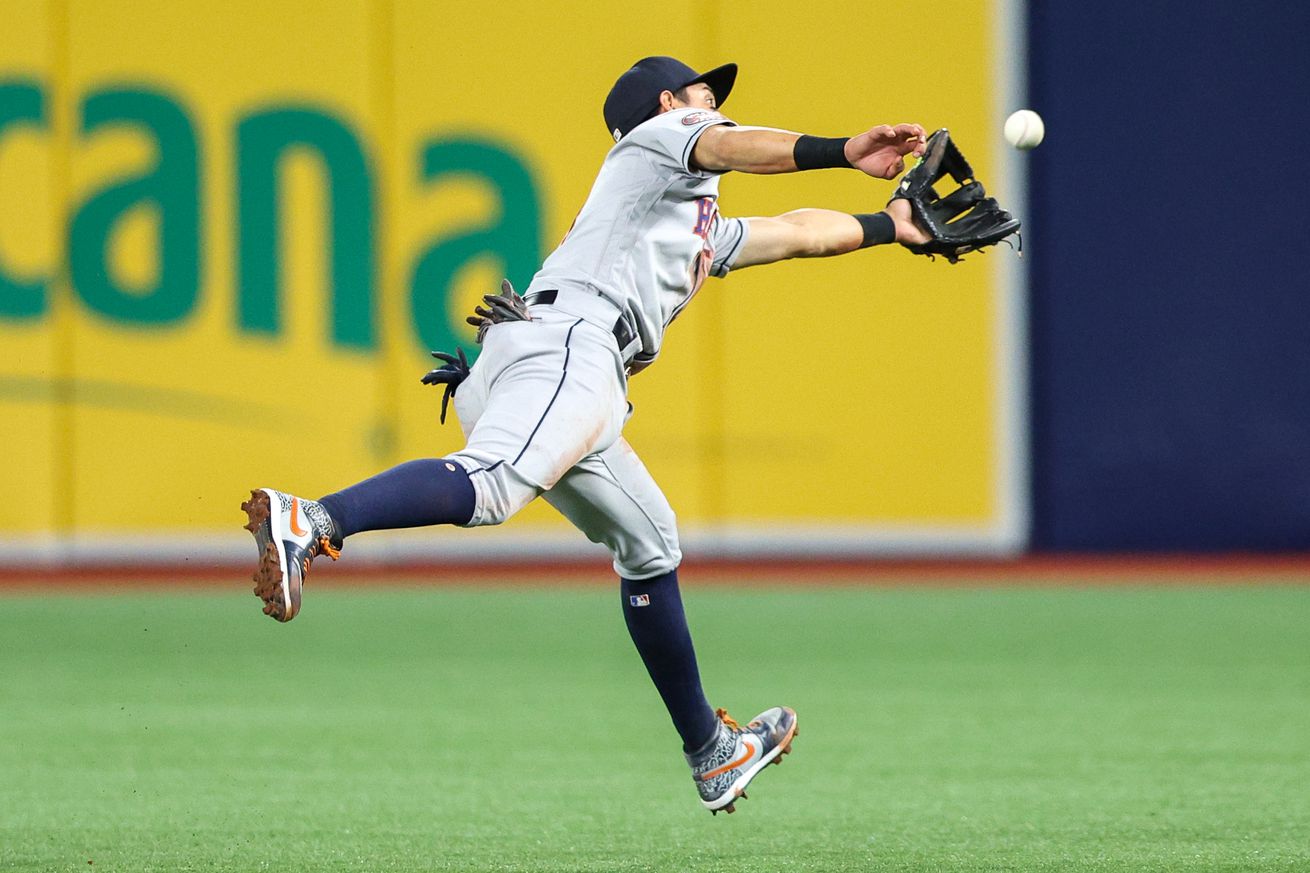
x,y
452,375
502,307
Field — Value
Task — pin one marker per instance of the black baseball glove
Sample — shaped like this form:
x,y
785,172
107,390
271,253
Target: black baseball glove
x,y
963,221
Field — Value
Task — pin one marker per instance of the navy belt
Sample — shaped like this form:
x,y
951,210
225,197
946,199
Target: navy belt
x,y
623,333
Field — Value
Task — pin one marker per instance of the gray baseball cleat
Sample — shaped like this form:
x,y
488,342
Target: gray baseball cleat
x,y
290,533
734,757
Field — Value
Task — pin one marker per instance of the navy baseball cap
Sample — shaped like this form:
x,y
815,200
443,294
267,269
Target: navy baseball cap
x,y
635,97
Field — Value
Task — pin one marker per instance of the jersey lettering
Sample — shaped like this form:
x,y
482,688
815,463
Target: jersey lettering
x,y
705,212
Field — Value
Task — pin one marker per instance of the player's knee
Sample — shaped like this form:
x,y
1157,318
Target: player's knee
x,y
500,490
649,565
642,557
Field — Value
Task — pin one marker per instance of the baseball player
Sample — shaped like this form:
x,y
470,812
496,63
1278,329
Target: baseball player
x,y
544,405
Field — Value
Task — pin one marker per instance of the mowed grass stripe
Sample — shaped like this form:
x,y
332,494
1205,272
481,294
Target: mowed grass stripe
x,y
956,729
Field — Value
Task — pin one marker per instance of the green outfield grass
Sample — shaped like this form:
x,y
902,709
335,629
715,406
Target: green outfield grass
x,y
515,730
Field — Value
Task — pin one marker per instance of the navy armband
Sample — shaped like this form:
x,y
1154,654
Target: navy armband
x,y
820,153
879,229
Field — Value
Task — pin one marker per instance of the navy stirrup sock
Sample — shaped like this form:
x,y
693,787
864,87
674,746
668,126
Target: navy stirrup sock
x,y
653,610
415,494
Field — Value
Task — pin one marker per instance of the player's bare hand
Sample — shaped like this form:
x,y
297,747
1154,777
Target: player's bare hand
x,y
880,151
907,231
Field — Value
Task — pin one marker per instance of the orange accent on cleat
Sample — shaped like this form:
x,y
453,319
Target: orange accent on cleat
x,y
326,548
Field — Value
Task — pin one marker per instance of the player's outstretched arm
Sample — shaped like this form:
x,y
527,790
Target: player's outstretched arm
x,y
819,233
878,152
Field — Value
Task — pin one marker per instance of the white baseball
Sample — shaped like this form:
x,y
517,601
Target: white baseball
x,y
1024,129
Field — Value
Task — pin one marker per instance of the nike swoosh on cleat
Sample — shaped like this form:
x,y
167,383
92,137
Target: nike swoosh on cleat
x,y
295,528
731,765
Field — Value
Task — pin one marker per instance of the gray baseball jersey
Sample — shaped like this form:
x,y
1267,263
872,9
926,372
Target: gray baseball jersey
x,y
544,407
650,232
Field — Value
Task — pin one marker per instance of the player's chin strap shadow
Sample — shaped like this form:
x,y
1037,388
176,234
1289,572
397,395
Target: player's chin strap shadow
x,y
452,375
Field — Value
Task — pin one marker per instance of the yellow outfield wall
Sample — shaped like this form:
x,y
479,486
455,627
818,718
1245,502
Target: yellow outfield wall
x,y
230,233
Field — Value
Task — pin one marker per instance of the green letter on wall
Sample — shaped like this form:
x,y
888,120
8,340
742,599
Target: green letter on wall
x,y
171,186
262,142
21,102
515,237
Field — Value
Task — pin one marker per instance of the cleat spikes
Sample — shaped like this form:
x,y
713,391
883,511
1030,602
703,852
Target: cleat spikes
x,y
730,808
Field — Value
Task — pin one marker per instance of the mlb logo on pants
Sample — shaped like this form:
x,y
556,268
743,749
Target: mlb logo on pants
x,y
639,599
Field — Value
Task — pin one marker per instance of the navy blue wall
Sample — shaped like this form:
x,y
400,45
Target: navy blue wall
x,y
1169,237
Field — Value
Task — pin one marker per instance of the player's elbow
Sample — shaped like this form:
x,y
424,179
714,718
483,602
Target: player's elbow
x,y
818,245
821,233
805,240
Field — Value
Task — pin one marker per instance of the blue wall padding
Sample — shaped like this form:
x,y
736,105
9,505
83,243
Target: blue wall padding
x,y
1169,238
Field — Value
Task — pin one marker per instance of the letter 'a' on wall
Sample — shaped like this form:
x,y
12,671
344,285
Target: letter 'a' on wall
x,y
169,188
513,236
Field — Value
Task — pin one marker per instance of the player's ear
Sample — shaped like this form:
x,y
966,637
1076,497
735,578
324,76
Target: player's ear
x,y
666,101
